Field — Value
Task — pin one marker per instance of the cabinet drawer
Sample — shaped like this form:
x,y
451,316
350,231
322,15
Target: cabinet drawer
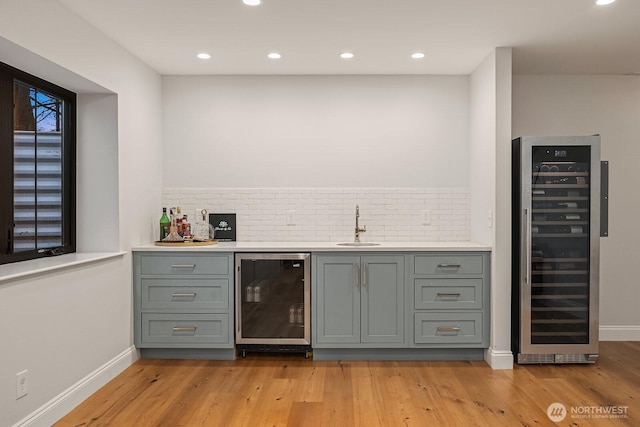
x,y
192,265
449,264
448,328
158,328
185,294
452,293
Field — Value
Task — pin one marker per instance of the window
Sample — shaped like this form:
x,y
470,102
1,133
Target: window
x,y
37,167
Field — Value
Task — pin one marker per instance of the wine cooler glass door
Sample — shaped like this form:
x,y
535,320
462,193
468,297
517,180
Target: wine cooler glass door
x,y
273,298
558,225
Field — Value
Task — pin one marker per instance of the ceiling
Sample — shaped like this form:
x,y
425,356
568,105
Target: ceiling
x,y
547,36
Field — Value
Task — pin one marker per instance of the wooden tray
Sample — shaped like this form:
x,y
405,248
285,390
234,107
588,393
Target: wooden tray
x,y
185,244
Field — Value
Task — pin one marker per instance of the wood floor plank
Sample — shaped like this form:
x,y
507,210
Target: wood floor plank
x,y
240,409
338,407
366,408
307,414
398,408
311,386
288,390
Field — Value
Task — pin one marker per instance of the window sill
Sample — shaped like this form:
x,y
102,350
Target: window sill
x,y
24,269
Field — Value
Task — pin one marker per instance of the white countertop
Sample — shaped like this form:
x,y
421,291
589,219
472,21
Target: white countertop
x,y
321,247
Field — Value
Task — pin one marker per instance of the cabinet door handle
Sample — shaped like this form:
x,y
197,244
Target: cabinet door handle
x,y
448,329
365,274
183,266
453,295
356,269
184,328
444,265
184,295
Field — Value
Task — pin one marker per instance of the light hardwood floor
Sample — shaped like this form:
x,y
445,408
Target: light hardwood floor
x,y
287,390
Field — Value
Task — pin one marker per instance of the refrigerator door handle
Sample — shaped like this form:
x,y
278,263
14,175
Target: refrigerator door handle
x,y
527,243
238,302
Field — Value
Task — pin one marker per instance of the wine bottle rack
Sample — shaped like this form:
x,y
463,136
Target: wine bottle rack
x,y
559,238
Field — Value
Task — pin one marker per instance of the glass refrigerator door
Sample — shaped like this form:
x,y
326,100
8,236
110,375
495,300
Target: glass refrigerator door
x,y
273,299
559,230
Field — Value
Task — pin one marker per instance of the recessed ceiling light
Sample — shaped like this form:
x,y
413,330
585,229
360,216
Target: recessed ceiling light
x,y
252,2
274,55
417,55
203,55
346,55
603,2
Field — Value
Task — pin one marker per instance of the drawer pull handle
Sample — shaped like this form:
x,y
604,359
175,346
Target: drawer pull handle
x,y
443,265
448,329
184,328
183,266
451,295
184,295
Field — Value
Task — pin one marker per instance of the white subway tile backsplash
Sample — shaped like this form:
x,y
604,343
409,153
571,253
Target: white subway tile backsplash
x,y
328,214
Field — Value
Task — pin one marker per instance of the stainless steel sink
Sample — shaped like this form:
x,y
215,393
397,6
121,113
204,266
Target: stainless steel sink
x,y
358,244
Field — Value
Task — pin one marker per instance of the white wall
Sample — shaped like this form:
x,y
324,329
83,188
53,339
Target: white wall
x,y
64,326
482,148
97,184
490,146
316,131
609,106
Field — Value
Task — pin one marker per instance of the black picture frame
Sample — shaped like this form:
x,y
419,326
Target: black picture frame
x,y
224,225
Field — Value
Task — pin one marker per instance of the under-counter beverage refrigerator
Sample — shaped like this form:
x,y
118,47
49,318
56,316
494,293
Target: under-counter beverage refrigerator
x,y
273,301
555,263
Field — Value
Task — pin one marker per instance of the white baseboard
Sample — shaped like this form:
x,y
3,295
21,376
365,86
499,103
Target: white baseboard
x,y
499,359
62,404
619,333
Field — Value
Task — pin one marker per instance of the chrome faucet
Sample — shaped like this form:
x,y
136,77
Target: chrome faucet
x,y
358,229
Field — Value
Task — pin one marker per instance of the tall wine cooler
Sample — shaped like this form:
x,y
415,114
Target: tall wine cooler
x,y
555,263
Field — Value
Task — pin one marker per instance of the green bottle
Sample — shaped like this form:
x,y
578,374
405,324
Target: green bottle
x,y
165,223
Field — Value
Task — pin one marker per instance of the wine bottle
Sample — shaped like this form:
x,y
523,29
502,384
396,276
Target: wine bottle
x,y
165,223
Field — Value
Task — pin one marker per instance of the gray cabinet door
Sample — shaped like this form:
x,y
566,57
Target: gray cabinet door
x,y
359,300
382,300
337,299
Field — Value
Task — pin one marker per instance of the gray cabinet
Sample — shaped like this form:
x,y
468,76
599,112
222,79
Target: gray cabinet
x,y
450,307
183,300
358,300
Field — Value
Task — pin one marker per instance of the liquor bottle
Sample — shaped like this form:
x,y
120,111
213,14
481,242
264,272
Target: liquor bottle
x,y
165,223
186,226
179,228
